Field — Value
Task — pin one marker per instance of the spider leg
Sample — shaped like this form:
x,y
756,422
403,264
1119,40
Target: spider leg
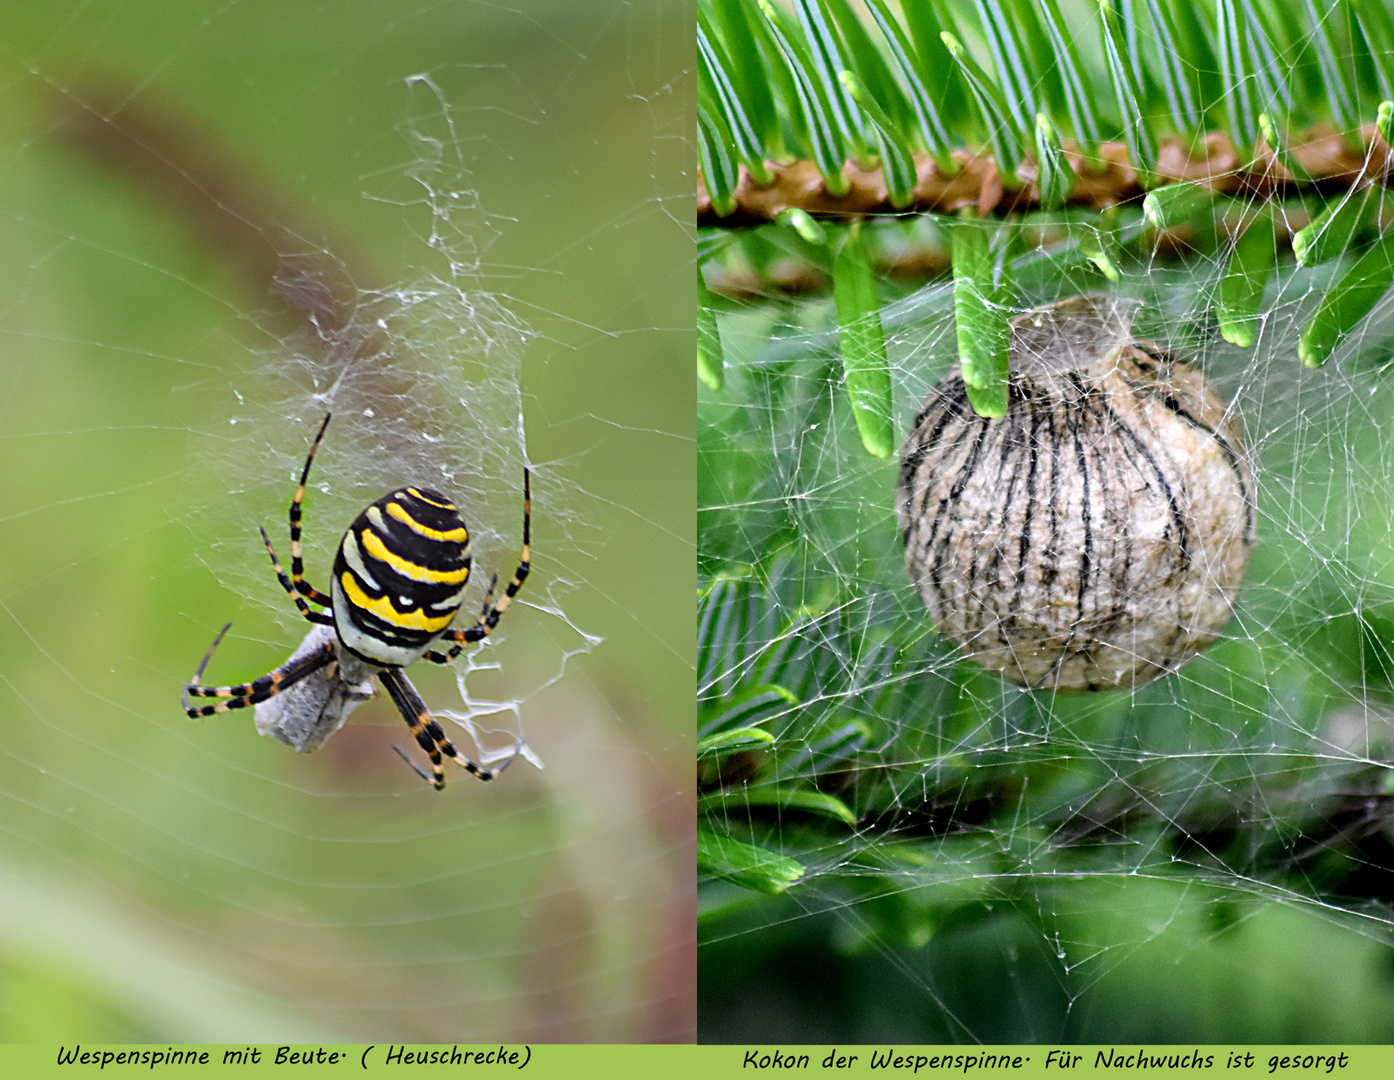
x,y
252,693
414,766
446,657
427,729
297,561
489,618
321,618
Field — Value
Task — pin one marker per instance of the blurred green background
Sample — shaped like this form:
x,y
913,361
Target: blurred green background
x,y
166,880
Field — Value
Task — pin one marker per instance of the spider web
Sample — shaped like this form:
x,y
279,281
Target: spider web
x,y
478,215
1208,857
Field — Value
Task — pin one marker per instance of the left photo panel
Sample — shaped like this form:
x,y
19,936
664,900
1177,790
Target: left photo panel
x,y
348,486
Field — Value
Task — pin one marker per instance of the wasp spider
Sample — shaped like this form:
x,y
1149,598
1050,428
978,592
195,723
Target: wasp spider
x,y
399,579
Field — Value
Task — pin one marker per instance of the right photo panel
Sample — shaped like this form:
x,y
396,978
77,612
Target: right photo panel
x,y
1045,431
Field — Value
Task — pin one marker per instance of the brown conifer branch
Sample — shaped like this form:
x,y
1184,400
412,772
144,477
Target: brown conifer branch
x,y
1327,155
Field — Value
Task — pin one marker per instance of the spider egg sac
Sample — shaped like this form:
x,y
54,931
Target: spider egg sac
x,y
1096,535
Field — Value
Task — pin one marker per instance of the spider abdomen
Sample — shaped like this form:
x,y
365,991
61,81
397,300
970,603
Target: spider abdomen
x,y
400,576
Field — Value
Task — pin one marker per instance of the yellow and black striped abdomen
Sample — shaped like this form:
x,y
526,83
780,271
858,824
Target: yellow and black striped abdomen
x,y
400,575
